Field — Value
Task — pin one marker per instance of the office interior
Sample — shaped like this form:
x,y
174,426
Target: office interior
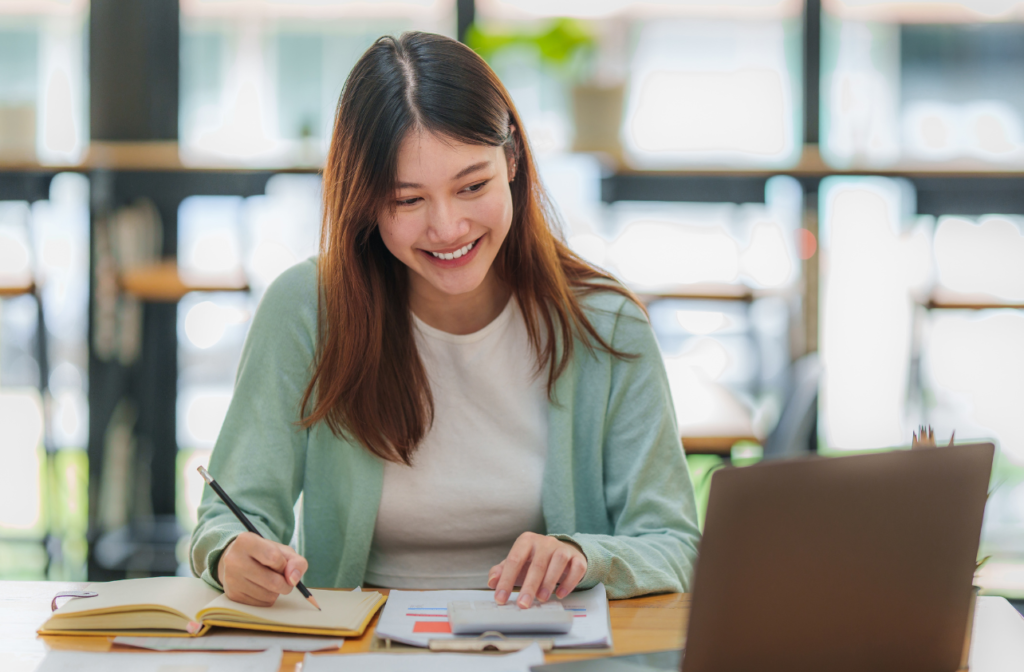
x,y
821,204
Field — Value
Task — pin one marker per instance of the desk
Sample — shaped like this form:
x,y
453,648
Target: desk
x,y
643,624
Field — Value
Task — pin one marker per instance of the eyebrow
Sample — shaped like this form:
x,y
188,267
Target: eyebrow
x,y
462,173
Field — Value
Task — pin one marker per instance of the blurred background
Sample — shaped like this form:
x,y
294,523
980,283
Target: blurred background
x,y
821,203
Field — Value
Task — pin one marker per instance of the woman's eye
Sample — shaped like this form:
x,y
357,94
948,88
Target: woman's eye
x,y
408,201
476,187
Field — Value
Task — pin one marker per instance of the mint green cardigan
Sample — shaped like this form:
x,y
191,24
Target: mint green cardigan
x,y
615,482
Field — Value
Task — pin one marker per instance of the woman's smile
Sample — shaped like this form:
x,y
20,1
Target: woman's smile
x,y
454,257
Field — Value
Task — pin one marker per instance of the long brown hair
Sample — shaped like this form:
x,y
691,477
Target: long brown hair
x,y
368,381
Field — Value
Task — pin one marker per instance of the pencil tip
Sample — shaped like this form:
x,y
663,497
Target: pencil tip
x,y
312,600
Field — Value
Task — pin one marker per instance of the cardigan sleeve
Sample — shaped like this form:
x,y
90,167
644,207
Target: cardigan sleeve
x,y
259,457
648,491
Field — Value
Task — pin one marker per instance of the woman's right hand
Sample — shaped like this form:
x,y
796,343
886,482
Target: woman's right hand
x,y
255,571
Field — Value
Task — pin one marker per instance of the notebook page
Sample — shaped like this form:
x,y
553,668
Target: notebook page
x,y
342,610
182,594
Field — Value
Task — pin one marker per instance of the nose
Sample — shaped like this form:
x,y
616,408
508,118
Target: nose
x,y
447,224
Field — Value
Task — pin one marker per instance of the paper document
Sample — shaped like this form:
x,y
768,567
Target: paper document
x,y
232,641
83,661
997,641
519,661
415,617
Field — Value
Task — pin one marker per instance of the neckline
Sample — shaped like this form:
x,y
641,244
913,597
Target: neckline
x,y
500,321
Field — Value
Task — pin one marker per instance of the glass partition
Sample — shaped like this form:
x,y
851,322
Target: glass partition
x,y
43,80
926,84
653,85
921,324
264,236
260,79
44,363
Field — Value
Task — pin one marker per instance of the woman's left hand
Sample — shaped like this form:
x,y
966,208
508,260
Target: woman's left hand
x,y
537,563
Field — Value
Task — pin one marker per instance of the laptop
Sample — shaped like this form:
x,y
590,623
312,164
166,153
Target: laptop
x,y
862,562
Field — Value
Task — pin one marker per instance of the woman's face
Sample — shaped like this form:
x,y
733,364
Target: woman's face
x,y
453,209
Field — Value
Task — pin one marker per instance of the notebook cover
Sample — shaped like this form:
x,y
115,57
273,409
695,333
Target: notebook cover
x,y
124,633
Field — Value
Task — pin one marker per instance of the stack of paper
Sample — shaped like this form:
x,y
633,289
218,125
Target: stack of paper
x,y
82,661
415,618
426,662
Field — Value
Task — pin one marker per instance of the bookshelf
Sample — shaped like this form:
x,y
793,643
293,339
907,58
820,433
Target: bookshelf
x,y
164,156
8,291
162,283
943,299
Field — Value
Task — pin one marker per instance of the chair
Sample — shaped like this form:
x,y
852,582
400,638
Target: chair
x,y
796,432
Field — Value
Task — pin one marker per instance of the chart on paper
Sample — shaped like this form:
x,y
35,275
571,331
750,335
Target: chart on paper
x,y
414,617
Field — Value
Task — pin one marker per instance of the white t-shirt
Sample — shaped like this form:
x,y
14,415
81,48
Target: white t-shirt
x,y
475,483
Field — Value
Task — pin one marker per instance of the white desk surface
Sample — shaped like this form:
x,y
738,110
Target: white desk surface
x,y
997,641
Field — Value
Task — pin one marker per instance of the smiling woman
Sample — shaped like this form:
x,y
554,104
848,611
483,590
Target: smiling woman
x,y
461,401
452,214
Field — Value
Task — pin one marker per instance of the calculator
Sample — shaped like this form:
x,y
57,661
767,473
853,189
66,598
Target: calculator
x,y
473,618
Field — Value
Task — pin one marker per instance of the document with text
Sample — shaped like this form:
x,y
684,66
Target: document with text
x,y
416,617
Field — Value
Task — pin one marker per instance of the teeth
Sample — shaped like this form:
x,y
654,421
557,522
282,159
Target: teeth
x,y
456,254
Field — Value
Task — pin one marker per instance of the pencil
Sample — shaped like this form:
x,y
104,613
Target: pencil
x,y
248,525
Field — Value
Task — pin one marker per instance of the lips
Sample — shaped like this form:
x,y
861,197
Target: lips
x,y
466,253
455,254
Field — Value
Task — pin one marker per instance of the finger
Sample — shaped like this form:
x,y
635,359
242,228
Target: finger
x,y
267,579
523,571
261,595
573,575
517,557
556,569
295,569
538,568
495,574
270,555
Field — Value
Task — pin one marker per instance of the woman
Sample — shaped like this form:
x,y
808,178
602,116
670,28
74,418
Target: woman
x,y
461,401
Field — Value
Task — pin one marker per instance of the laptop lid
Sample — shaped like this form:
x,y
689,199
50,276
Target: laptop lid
x,y
841,563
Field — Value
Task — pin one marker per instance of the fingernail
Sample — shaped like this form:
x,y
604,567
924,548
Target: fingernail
x,y
293,578
525,600
543,595
561,592
501,597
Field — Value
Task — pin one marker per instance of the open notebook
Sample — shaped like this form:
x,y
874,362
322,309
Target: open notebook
x,y
186,607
